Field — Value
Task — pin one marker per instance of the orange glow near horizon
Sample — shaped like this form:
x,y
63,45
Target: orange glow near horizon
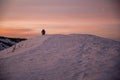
x,y
26,18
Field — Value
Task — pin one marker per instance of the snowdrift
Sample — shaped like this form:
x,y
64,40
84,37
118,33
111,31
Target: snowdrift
x,y
62,57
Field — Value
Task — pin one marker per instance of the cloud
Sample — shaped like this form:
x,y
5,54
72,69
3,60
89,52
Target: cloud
x,y
54,9
4,31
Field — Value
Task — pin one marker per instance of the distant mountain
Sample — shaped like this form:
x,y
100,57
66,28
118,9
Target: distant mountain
x,y
62,57
6,42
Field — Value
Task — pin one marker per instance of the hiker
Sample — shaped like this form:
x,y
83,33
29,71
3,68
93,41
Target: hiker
x,y
43,31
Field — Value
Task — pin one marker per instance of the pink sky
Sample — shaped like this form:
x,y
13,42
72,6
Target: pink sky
x,y
25,18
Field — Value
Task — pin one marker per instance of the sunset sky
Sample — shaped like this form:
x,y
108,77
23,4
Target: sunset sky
x,y
26,18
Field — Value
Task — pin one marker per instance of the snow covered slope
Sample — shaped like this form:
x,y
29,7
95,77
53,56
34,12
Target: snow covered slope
x,y
62,57
6,42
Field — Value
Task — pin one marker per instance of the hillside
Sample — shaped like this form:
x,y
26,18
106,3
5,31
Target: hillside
x,y
62,57
6,42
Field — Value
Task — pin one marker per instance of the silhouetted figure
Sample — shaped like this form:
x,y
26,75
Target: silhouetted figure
x,y
43,31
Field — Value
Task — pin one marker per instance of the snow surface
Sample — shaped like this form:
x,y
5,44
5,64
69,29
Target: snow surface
x,y
62,57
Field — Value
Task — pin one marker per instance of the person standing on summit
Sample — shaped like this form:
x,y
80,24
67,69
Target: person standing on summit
x,y
43,32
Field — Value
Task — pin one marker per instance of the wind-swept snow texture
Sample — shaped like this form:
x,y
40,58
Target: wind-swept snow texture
x,y
62,57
